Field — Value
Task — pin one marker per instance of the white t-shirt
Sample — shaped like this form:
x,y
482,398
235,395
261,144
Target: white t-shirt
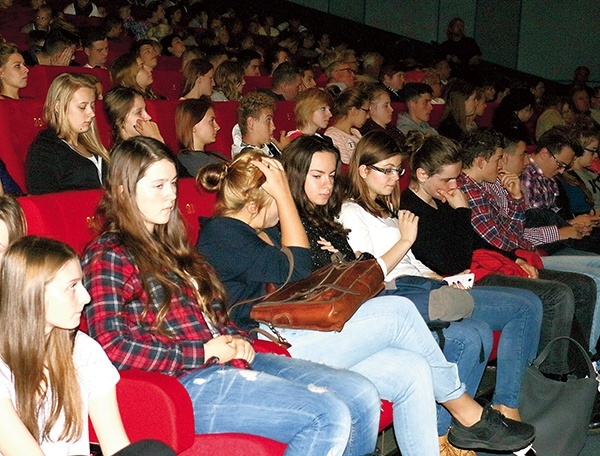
x,y
377,236
96,376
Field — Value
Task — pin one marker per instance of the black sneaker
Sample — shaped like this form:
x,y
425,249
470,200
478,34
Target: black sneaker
x,y
492,432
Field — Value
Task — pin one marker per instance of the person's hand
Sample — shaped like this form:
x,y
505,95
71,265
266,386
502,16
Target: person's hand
x,y
63,58
244,349
454,197
227,348
531,271
149,129
277,183
570,232
511,183
326,245
222,347
408,224
283,140
590,219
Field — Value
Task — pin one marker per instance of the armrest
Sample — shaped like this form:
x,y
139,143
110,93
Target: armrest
x,y
155,406
266,346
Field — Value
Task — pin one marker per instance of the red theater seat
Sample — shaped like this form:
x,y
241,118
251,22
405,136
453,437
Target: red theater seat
x,y
256,82
41,76
27,115
168,83
163,113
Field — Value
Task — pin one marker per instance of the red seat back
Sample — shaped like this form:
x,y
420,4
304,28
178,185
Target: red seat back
x,y
163,113
194,202
68,216
256,82
168,83
284,117
170,63
436,115
41,76
227,117
27,115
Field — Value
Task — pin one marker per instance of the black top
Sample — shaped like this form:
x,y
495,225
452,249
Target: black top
x,y
193,160
338,240
245,263
53,166
450,129
445,238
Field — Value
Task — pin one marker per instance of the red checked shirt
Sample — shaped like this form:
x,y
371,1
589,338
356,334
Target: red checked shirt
x,y
500,226
115,316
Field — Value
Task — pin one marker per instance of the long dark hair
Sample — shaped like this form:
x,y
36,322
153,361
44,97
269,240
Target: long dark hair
x,y
296,162
166,252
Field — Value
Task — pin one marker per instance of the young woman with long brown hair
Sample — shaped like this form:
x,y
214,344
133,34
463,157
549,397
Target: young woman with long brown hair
x,y
51,375
157,305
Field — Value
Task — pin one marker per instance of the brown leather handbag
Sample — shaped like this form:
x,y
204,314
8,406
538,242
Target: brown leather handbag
x,y
325,301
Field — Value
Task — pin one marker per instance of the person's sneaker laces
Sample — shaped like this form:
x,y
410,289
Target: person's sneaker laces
x,y
492,432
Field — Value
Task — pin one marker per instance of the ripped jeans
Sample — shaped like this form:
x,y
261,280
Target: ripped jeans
x,y
314,409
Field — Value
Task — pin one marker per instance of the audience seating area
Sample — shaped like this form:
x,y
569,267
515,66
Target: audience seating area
x,y
166,411
27,114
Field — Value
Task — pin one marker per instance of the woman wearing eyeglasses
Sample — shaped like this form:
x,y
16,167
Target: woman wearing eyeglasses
x,y
379,227
581,185
351,113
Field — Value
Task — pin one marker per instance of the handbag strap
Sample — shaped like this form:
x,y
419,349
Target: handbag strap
x,y
290,257
546,351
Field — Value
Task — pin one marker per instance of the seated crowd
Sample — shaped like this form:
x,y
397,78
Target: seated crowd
x,y
428,167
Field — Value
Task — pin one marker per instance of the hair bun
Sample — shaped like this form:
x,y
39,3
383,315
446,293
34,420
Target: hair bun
x,y
212,176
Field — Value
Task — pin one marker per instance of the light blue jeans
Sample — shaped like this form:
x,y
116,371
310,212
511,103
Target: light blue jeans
x,y
388,342
468,343
588,264
314,409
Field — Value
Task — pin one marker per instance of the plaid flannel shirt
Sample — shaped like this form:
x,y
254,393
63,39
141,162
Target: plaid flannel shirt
x,y
115,316
539,191
535,236
500,227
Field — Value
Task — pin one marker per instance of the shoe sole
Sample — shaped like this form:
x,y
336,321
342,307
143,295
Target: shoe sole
x,y
479,445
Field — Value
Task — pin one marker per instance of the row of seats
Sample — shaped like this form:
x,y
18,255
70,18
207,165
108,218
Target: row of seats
x,y
26,114
166,411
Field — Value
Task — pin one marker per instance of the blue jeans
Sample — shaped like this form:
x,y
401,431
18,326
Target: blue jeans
x,y
468,343
518,314
589,265
314,409
388,342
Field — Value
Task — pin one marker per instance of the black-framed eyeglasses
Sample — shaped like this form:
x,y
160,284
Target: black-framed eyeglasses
x,y
560,164
591,151
364,110
389,171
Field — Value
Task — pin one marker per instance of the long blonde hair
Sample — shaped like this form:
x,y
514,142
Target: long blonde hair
x,y
42,366
59,97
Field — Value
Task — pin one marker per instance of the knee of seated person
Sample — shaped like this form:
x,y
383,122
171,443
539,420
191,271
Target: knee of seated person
x,y
470,335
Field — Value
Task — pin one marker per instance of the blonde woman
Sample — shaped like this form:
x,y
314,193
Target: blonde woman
x,y
129,71
229,78
312,111
68,155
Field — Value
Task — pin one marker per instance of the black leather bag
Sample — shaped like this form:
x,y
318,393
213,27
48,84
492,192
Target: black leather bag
x,y
560,411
